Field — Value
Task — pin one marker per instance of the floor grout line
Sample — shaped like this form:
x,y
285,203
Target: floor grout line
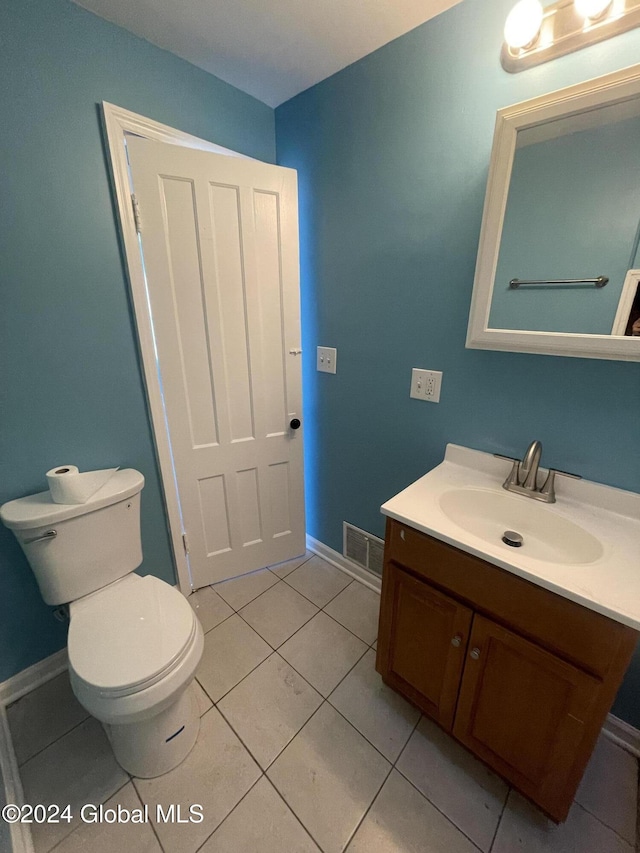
x,y
275,566
431,803
289,806
332,597
246,793
275,648
368,809
263,773
244,604
283,580
230,724
404,776
604,823
504,807
81,823
44,748
291,810
253,668
391,769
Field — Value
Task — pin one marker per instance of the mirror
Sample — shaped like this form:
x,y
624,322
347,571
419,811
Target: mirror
x,y
558,267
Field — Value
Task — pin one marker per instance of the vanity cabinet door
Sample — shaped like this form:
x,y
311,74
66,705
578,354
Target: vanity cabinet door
x,y
422,642
527,714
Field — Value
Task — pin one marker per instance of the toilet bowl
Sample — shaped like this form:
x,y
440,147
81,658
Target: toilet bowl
x,y
134,642
134,648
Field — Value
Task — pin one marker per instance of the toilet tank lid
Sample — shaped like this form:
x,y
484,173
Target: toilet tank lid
x,y
38,510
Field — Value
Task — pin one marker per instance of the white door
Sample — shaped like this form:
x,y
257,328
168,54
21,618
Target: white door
x,y
220,244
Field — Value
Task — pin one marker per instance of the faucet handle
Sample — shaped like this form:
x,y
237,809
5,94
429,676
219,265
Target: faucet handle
x,y
548,487
512,479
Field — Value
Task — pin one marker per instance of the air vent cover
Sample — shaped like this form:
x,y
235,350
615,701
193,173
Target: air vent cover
x,y
363,548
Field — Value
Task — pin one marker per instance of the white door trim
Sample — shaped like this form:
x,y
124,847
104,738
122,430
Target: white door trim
x,y
117,123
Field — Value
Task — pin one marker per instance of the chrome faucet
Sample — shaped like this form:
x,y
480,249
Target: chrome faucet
x,y
528,468
523,477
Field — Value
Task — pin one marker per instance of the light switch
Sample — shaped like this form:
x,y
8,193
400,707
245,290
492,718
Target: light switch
x,y
327,359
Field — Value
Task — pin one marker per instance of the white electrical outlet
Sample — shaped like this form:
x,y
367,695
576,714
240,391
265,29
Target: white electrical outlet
x,y
425,384
327,359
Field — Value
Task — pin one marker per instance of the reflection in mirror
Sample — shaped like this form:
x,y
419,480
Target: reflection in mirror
x,y
558,267
573,212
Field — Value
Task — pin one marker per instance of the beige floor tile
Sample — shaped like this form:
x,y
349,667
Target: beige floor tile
x,y
318,581
110,837
357,608
609,788
278,613
466,791
284,569
269,707
77,769
401,819
261,823
43,716
240,591
378,712
329,775
523,829
216,774
231,651
209,607
323,652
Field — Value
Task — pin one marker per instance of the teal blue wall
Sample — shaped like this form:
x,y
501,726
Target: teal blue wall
x,y
392,155
573,212
71,387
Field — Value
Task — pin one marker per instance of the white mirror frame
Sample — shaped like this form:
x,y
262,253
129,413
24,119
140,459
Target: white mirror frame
x,y
612,88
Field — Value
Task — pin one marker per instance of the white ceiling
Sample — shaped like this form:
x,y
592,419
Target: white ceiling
x,y
271,49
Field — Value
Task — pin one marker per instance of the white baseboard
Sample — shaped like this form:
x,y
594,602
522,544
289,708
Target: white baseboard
x,y
33,676
623,734
344,564
11,690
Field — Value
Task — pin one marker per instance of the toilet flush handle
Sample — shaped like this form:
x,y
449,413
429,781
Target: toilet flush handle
x,y
50,534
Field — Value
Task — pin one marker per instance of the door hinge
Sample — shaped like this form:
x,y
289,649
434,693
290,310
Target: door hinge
x,y
136,212
185,543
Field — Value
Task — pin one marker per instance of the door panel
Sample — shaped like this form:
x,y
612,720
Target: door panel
x,y
522,710
219,238
423,637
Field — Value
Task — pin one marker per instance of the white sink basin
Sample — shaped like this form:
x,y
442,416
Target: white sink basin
x,y
546,535
584,547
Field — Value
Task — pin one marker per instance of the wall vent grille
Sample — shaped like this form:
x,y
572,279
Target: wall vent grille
x,y
363,548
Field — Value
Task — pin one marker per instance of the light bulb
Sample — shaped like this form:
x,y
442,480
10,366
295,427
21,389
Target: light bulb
x,y
592,9
523,23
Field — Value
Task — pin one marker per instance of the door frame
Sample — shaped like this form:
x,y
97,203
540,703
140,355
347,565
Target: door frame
x,y
117,122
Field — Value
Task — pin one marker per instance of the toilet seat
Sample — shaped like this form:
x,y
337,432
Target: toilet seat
x,y
129,635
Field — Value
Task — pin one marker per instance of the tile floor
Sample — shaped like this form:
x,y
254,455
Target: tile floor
x,y
302,747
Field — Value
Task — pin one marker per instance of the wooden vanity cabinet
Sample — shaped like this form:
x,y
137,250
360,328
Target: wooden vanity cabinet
x,y
519,675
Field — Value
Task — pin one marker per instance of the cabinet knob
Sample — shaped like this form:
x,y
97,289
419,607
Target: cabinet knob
x,y
457,640
475,653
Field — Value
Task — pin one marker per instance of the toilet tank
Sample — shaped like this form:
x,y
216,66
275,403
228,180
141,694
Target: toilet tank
x,y
94,543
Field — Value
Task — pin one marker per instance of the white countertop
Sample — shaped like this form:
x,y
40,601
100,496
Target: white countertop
x,y
609,585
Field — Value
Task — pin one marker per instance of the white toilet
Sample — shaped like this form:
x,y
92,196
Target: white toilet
x,y
134,642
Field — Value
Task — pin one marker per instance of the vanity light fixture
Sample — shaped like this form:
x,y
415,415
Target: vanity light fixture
x,y
523,23
562,27
592,10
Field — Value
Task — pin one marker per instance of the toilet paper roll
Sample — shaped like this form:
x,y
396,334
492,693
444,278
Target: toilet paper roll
x,y
69,486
